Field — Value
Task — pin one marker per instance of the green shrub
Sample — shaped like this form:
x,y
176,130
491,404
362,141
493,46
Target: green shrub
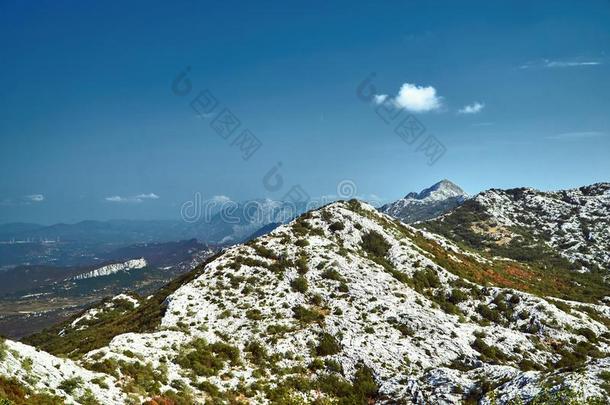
x,y
361,390
100,381
264,252
254,314
514,299
299,284
316,300
364,382
316,364
528,365
427,278
461,363
70,384
570,360
207,359
375,244
337,226
302,243
301,227
333,366
328,345
405,330
3,349
490,314
258,352
588,333
457,296
489,353
307,315
88,398
106,366
26,364
332,274
143,379
208,387
500,301
301,265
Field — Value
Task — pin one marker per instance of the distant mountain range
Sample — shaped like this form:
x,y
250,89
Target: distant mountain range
x,y
236,222
79,244
233,223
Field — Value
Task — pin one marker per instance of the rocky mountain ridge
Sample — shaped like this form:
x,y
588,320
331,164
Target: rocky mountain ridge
x,y
342,305
573,224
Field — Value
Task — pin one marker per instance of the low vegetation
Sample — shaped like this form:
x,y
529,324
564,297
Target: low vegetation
x,y
12,392
328,345
207,360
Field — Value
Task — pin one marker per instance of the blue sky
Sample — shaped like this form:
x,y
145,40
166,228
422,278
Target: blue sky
x,y
90,127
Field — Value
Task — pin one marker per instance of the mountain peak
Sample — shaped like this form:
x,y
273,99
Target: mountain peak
x,y
439,191
429,203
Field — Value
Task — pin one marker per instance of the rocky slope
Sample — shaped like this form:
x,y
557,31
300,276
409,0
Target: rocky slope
x,y
343,305
430,203
523,223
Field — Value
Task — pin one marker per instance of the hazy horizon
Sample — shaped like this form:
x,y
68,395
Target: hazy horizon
x,y
315,202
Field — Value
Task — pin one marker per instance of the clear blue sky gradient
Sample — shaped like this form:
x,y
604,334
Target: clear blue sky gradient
x,y
87,111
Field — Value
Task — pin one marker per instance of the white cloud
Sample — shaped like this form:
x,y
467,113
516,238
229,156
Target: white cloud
x,y
577,135
413,98
23,200
220,199
34,197
417,98
380,98
132,199
570,64
547,63
149,196
473,108
117,198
